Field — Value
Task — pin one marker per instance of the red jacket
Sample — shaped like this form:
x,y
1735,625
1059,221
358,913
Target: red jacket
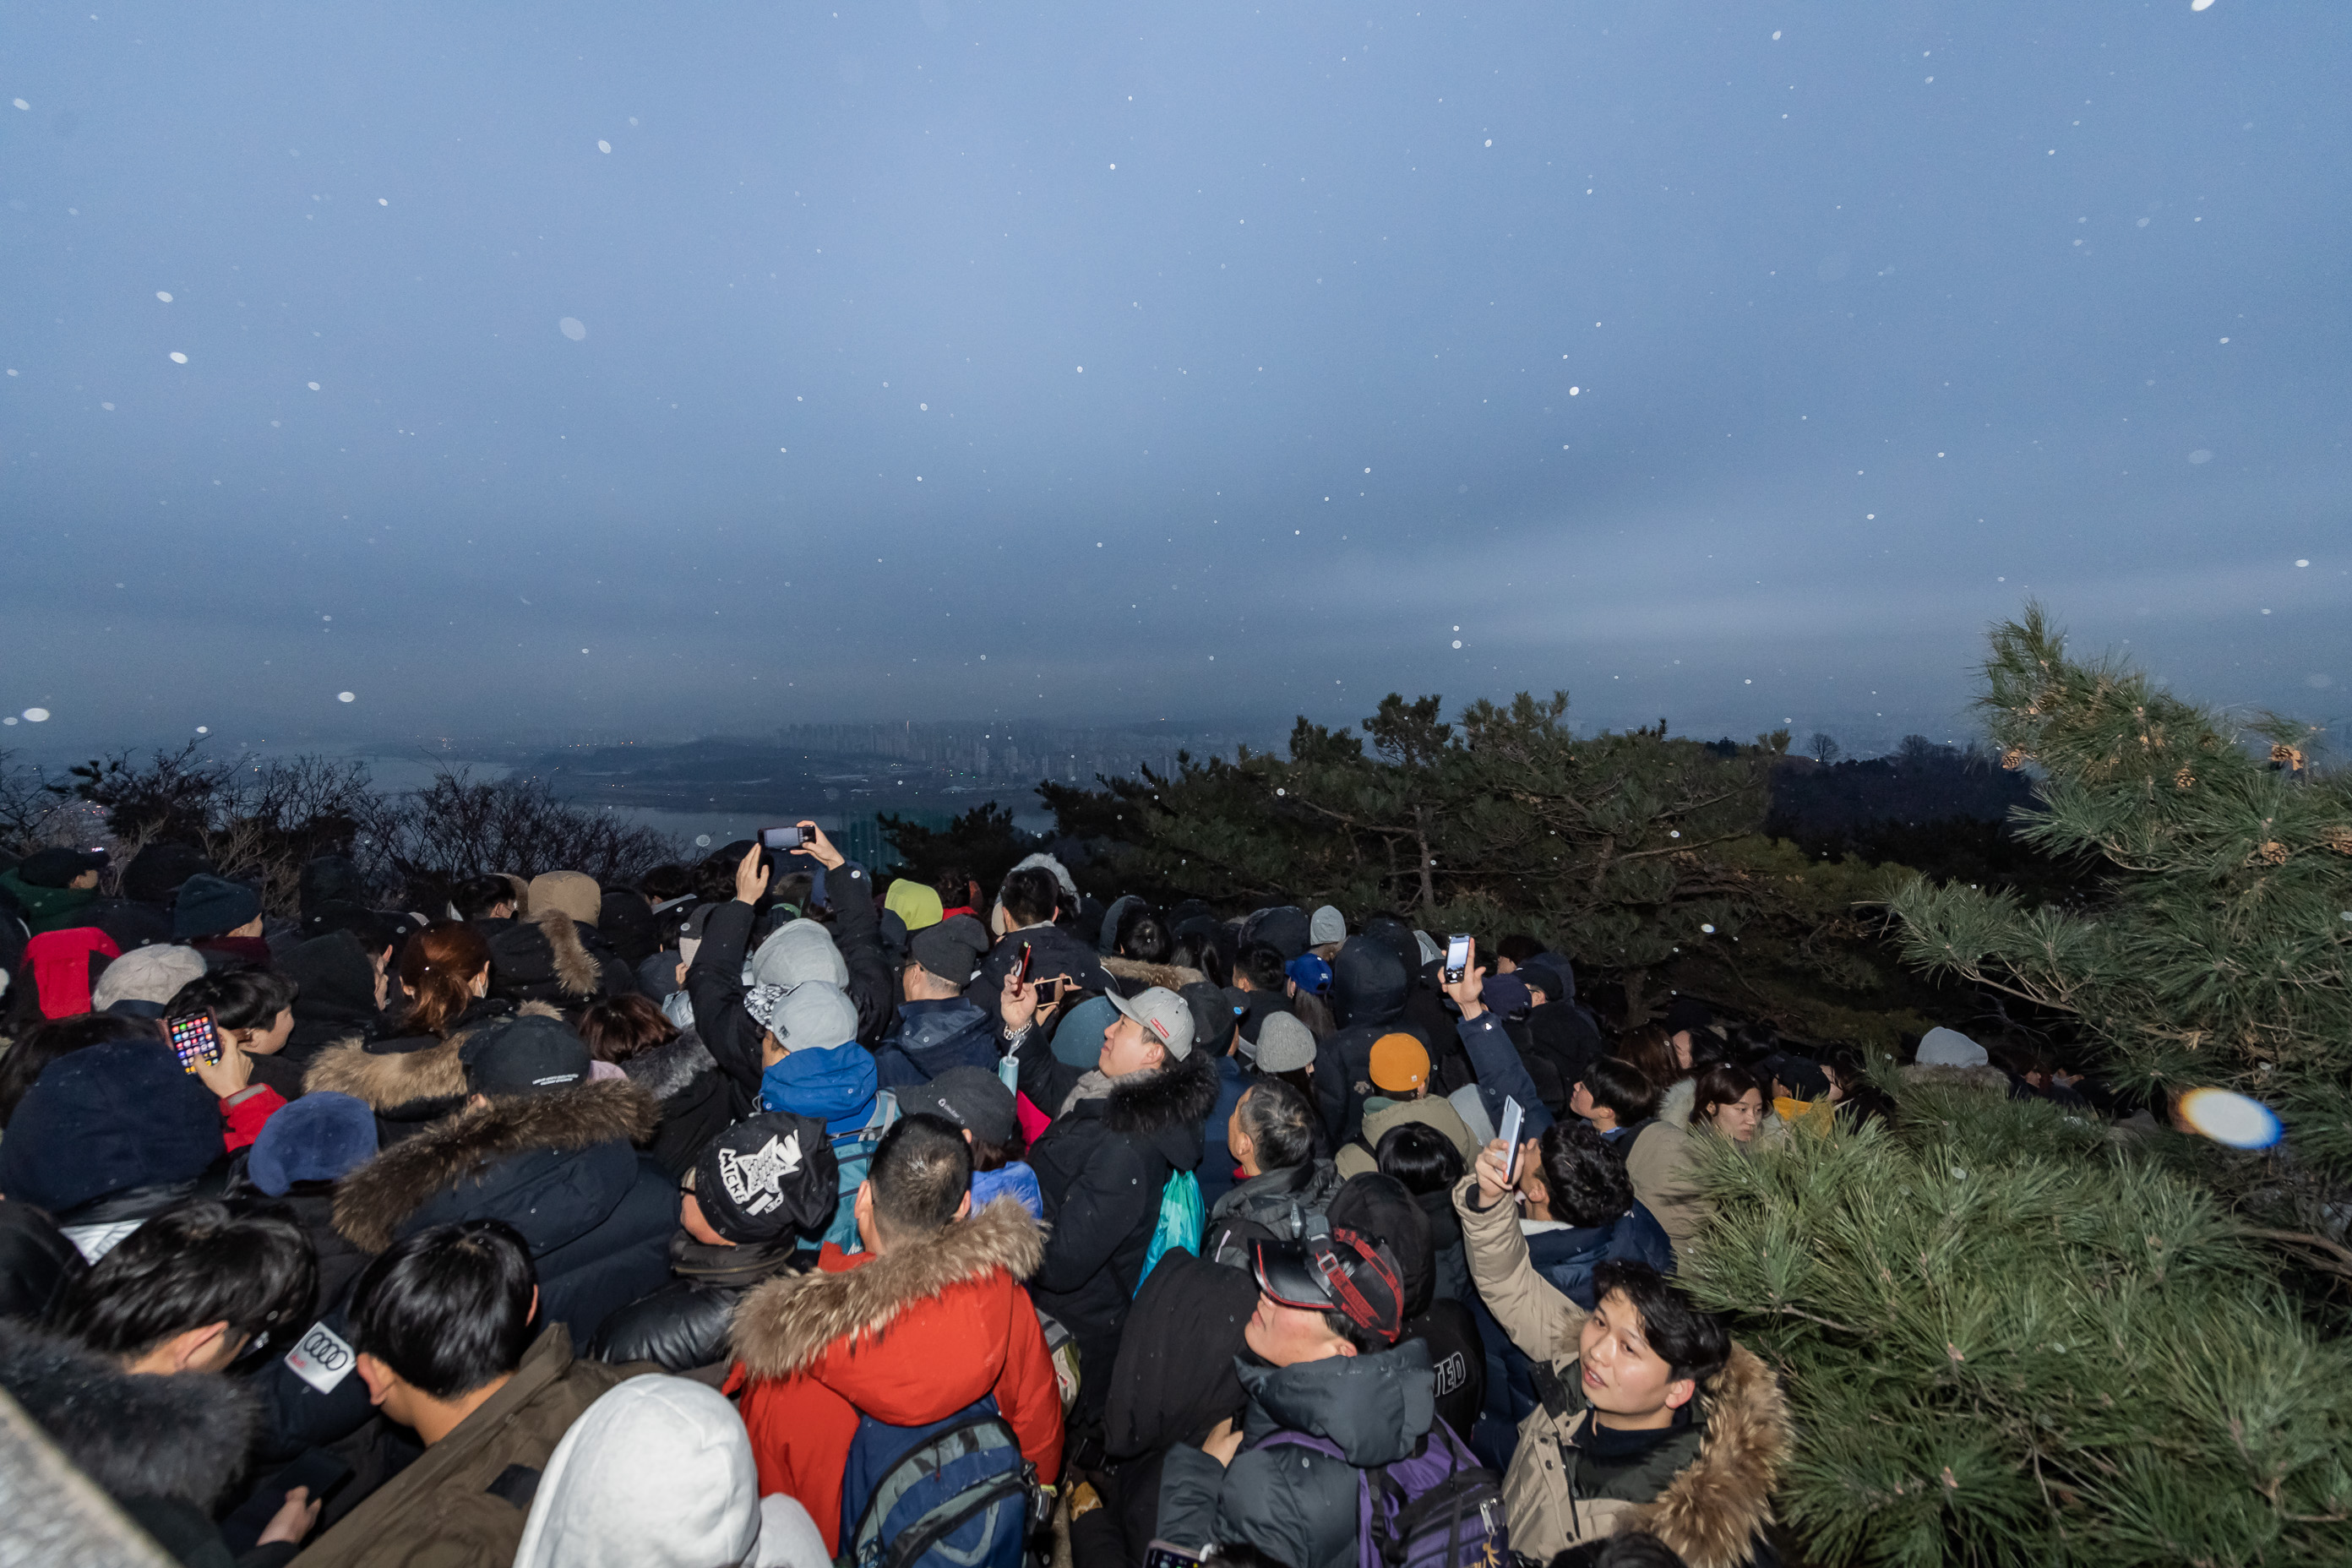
x,y
908,1336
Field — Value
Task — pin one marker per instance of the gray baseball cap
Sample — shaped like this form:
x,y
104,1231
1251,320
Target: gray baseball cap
x,y
1165,1017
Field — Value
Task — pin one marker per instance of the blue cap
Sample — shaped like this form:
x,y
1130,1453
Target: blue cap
x,y
1311,974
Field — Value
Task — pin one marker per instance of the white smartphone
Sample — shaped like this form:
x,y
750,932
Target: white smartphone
x,y
1509,1133
1458,957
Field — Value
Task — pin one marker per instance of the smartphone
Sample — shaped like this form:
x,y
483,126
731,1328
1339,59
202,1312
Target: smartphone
x,y
1020,966
1168,1555
1512,1114
790,837
1457,956
194,1039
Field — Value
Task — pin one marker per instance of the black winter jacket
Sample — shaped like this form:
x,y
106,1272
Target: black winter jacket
x,y
36,1262
561,1167
1100,1167
714,981
1298,1506
683,1326
692,1092
552,958
409,1080
1368,986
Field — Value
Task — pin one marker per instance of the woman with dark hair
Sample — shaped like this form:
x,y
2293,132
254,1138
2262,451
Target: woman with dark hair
x,y
1726,1102
1425,1162
670,1063
413,1075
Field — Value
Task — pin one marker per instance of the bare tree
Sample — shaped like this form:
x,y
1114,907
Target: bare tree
x,y
1824,748
459,826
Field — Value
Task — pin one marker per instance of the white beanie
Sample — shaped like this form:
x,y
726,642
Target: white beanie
x,y
1942,1047
1327,924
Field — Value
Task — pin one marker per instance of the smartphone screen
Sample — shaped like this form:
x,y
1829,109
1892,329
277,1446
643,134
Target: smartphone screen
x,y
194,1039
1167,1554
780,837
1457,955
1509,1133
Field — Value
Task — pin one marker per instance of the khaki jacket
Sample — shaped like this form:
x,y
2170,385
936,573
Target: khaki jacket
x,y
1708,1512
1661,1171
1434,1110
458,1507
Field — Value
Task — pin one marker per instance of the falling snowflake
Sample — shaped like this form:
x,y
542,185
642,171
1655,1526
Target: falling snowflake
x,y
179,358
570,328
346,697
164,295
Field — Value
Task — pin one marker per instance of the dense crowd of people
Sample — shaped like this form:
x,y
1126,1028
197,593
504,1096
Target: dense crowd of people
x,y
758,1214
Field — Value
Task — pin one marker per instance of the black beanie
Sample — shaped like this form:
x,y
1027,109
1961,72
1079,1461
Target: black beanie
x,y
209,905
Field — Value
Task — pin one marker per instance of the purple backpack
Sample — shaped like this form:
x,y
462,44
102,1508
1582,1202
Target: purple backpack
x,y
1436,1508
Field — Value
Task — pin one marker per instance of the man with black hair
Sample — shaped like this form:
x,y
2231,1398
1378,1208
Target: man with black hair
x,y
1649,1416
191,1289
1325,1358
1024,917
131,1384
254,1008
928,1319
445,1336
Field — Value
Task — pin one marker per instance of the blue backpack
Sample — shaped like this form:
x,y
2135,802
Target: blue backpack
x,y
953,1494
1436,1508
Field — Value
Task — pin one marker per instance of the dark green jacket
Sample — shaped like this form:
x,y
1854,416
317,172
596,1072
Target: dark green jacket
x,y
48,908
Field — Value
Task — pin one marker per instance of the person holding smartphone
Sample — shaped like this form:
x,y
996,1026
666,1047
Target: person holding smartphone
x,y
1502,1076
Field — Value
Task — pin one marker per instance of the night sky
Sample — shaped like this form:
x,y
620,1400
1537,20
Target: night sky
x,y
538,369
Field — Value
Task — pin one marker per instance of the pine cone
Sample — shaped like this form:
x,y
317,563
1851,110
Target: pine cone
x,y
2340,840
2183,779
2013,758
2282,752
2272,853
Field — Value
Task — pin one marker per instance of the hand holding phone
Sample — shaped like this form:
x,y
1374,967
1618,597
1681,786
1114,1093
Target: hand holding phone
x,y
1458,948
194,1039
788,837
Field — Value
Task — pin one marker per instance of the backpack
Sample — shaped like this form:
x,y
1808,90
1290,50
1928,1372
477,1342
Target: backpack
x,y
852,1153
952,1494
1181,1219
1436,1508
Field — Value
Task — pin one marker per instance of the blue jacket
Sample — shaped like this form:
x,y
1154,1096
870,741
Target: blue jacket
x,y
1216,1172
930,1038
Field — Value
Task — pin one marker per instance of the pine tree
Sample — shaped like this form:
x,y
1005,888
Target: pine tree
x,y
2009,1338
2219,952
1636,853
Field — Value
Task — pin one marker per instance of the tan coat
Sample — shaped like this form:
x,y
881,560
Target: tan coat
x,y
440,1512
1434,1110
1710,1512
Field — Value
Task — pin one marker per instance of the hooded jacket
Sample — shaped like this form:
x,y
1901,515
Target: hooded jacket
x,y
908,1337
164,1449
337,997
657,1474
1709,1507
1298,1506
847,954
559,1167
684,1079
465,1503
1429,1110
1100,1167
929,1038
1281,1201
409,1080
48,908
550,957
1369,983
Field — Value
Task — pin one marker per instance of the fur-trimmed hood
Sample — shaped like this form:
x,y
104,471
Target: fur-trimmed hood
x,y
373,1202
386,1079
1675,1104
1173,976
1166,1106
183,1438
544,951
665,1069
783,1326
1711,1511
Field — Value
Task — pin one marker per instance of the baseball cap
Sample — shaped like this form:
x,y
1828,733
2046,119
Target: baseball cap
x,y
766,1177
950,949
1310,972
974,1099
525,1055
1505,993
1399,1064
1165,1017
1332,1270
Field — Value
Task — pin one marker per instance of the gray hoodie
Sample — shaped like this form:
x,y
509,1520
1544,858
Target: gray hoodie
x,y
658,1473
